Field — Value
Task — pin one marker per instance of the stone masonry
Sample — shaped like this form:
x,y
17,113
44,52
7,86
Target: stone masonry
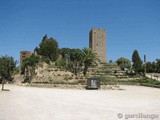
x,y
23,55
97,42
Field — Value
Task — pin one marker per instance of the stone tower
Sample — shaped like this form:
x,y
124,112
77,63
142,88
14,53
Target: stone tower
x,y
97,42
23,55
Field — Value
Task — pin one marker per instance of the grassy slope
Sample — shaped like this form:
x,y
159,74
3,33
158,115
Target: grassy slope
x,y
144,81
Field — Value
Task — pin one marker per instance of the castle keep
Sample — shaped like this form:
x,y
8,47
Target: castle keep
x,y
23,55
97,42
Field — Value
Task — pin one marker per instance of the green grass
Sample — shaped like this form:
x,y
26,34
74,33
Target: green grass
x,y
143,82
107,80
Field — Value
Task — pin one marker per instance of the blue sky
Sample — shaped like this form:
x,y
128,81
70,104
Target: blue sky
x,y
130,25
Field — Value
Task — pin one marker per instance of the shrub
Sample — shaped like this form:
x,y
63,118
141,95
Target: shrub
x,y
106,79
51,66
115,71
66,75
81,81
58,74
70,78
66,78
50,79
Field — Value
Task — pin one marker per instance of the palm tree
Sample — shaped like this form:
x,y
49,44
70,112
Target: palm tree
x,y
89,58
75,61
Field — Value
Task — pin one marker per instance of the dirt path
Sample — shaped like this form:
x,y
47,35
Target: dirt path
x,y
27,103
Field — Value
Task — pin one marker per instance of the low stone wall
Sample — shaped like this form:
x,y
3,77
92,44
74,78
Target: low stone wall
x,y
110,87
62,86
69,86
155,76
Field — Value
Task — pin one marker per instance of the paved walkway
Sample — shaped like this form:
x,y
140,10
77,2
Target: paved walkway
x,y
27,103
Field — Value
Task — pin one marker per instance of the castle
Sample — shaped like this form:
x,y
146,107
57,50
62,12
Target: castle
x,y
97,42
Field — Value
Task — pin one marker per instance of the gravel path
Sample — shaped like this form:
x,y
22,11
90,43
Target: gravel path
x,y
29,103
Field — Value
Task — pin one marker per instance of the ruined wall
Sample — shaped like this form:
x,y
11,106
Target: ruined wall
x,y
23,55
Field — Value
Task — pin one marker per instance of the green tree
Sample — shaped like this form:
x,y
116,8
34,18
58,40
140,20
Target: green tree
x,y
28,67
75,60
7,66
89,58
48,49
154,66
110,61
151,67
61,63
137,62
64,52
70,59
123,63
158,65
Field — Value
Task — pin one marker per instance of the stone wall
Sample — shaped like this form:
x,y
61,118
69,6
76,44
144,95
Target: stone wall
x,y
97,42
70,86
24,54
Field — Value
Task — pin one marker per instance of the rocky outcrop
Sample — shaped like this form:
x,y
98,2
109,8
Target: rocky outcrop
x,y
44,73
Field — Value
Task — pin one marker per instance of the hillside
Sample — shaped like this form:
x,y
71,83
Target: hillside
x,y
45,73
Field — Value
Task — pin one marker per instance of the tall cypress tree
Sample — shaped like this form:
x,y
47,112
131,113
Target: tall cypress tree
x,y
137,62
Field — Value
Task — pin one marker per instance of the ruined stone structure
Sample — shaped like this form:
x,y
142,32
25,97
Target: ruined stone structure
x,y
97,42
23,55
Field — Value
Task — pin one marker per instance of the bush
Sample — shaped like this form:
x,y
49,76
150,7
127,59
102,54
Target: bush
x,y
58,74
59,82
70,78
143,82
106,79
66,78
50,79
81,81
51,66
